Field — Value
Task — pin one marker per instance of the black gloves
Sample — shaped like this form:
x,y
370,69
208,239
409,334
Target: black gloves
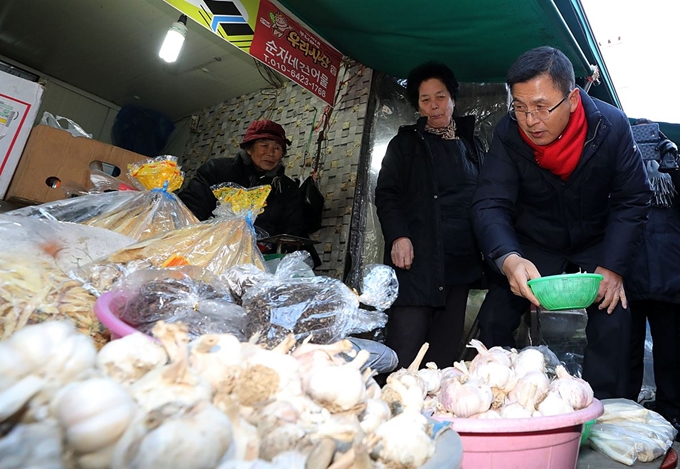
x,y
669,156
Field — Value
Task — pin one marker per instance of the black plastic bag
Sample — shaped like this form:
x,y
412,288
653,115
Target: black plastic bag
x,y
312,204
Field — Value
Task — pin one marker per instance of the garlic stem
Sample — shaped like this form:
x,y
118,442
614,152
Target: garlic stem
x,y
415,365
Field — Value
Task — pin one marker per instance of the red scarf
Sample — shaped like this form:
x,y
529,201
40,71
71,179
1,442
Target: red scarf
x,y
561,156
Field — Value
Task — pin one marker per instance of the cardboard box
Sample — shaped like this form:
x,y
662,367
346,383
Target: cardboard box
x,y
53,158
19,103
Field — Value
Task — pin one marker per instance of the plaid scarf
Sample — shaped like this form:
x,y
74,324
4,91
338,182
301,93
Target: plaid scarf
x,y
447,133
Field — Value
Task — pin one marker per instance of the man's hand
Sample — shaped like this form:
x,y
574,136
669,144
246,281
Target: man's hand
x,y
402,253
519,271
611,290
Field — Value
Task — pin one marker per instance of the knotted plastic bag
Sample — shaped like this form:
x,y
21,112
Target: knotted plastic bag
x,y
321,307
187,295
151,209
216,244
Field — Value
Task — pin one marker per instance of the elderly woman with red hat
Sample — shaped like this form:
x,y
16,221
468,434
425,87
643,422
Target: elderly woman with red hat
x,y
258,162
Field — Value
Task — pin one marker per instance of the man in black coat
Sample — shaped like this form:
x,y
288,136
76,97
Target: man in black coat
x,y
259,162
563,188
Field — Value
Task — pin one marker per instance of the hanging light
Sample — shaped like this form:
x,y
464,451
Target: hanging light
x,y
174,40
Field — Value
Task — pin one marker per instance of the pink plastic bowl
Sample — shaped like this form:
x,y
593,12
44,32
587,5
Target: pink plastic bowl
x,y
532,443
105,308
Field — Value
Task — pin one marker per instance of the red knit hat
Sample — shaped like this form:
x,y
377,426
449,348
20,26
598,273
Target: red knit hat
x,y
265,129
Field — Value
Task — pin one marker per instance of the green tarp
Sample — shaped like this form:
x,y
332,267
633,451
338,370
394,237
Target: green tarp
x,y
478,39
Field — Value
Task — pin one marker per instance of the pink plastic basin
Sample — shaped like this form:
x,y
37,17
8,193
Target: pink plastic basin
x,y
532,443
105,308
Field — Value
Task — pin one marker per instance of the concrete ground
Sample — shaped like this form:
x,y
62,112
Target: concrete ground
x,y
591,459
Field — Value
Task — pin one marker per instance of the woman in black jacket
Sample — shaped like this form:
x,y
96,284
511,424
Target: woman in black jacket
x,y
259,162
423,198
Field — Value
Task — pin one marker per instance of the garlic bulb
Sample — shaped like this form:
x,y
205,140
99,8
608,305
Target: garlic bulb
x,y
409,377
246,441
496,375
129,358
451,372
554,404
404,441
33,445
528,360
53,350
401,398
94,414
285,367
174,382
285,437
339,388
217,359
515,411
173,436
488,415
464,400
17,395
484,355
312,355
574,391
530,390
431,377
376,412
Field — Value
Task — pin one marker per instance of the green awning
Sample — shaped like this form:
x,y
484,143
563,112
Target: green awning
x,y
478,39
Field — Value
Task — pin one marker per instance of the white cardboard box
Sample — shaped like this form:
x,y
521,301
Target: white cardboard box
x,y
19,103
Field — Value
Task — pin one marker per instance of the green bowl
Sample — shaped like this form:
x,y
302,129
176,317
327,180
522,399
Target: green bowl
x,y
566,291
585,434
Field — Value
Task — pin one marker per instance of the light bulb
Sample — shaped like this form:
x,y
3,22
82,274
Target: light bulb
x,y
174,40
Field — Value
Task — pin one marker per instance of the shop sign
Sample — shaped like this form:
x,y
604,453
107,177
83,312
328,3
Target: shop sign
x,y
292,50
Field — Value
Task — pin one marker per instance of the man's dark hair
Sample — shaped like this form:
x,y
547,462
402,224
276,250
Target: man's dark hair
x,y
543,60
425,72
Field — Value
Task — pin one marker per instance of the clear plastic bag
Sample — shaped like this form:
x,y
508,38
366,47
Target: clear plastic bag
x,y
240,278
297,264
34,256
627,432
216,244
140,214
71,127
320,307
187,295
380,286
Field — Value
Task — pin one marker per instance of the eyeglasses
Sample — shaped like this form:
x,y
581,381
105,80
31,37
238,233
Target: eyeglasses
x,y
540,114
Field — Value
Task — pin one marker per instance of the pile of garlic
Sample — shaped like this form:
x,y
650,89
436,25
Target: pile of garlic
x,y
499,383
211,403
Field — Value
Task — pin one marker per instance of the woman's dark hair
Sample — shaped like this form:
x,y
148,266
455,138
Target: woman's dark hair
x,y
427,71
540,61
248,145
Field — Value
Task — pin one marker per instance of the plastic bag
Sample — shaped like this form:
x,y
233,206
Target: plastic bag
x,y
240,278
185,295
648,389
320,307
627,432
297,264
71,127
216,244
139,214
34,256
380,286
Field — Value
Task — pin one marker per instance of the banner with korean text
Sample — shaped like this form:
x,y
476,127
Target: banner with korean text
x,y
292,50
